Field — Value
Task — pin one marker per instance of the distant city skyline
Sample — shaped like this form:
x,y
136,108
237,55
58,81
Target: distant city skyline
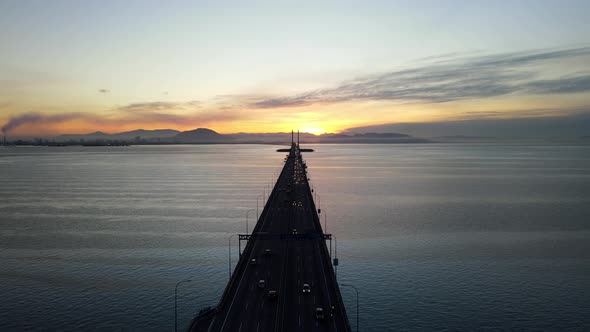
x,y
78,67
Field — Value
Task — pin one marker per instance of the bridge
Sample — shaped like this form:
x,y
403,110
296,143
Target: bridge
x,y
284,279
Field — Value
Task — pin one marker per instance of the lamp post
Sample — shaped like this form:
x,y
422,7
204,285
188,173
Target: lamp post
x,y
175,305
247,219
357,304
257,214
229,254
335,260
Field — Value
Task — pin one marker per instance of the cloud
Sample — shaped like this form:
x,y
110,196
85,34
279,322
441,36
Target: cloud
x,y
449,80
159,106
534,125
103,91
150,106
562,85
296,101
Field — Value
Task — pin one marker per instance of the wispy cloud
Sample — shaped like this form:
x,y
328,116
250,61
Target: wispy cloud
x,y
450,79
160,106
150,106
562,85
534,124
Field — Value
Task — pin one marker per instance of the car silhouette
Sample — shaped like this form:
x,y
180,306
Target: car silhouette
x,y
319,313
306,288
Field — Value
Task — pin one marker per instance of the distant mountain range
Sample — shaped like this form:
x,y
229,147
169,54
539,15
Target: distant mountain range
x,y
208,136
127,135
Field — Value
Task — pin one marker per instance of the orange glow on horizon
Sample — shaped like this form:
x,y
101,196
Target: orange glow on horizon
x,y
314,119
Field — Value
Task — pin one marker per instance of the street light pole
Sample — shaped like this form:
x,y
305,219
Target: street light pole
x,y
335,255
229,254
257,214
175,305
357,304
247,219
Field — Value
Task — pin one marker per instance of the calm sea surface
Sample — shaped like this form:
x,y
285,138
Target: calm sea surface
x,y
435,237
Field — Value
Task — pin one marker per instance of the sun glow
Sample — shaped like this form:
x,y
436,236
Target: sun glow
x,y
313,130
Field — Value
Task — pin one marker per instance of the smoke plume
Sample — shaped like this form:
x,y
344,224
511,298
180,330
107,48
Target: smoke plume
x,y
36,118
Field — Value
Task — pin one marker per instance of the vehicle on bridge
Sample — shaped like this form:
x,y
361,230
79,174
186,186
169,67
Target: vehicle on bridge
x,y
319,313
272,294
306,288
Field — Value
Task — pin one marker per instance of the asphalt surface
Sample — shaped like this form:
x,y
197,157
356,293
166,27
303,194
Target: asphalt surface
x,y
290,230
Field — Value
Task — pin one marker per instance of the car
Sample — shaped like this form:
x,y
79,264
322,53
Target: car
x,y
306,288
267,252
253,261
261,283
294,230
319,313
272,294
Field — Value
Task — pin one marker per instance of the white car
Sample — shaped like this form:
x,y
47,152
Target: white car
x,y
306,288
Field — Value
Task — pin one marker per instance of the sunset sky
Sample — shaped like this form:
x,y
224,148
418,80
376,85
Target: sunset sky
x,y
320,66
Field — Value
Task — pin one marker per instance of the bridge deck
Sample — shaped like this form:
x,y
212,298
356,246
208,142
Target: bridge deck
x,y
290,229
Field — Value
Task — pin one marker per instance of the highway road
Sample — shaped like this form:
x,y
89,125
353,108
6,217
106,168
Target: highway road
x,y
289,250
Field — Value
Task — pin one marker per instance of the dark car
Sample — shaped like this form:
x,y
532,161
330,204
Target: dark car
x,y
319,313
